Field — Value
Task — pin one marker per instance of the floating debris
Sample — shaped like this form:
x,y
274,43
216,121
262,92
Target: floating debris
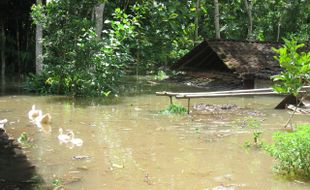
x,y
81,157
147,179
299,110
82,168
216,107
224,187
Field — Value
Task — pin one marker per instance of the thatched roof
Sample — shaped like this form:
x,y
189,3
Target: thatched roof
x,y
244,58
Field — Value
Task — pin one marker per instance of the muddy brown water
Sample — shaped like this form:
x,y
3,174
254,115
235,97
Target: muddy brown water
x,y
129,145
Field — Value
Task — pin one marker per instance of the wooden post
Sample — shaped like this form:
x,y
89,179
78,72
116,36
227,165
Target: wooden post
x,y
170,100
188,105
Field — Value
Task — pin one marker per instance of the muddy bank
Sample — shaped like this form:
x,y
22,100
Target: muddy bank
x,y
16,172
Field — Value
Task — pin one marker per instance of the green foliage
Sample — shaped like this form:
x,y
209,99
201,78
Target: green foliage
x,y
57,182
76,62
157,46
292,152
142,37
296,68
24,140
255,126
174,109
161,75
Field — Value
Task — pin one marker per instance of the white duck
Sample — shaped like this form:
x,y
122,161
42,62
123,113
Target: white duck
x,y
63,138
33,113
73,140
3,122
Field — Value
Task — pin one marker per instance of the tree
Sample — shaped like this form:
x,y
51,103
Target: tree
x,y
249,7
196,36
3,40
39,52
76,61
217,19
147,36
99,9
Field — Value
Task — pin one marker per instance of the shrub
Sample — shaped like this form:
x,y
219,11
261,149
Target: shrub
x,y
161,75
75,61
255,126
24,140
292,152
174,108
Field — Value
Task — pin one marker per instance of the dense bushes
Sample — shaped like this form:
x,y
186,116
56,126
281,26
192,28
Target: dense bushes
x,y
76,62
292,152
140,37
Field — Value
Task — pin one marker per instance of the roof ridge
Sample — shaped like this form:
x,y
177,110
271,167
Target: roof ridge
x,y
244,41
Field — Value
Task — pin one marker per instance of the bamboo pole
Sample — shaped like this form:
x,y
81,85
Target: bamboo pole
x,y
188,105
229,93
210,95
164,93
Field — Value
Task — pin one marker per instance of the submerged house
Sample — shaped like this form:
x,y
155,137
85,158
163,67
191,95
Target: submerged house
x,y
251,63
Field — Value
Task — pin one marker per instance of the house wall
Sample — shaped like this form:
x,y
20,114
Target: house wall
x,y
260,83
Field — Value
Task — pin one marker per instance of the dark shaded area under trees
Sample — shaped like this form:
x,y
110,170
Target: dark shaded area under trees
x,y
17,37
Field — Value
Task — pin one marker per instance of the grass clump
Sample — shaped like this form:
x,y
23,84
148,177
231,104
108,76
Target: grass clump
x,y
25,140
174,109
292,152
161,75
256,128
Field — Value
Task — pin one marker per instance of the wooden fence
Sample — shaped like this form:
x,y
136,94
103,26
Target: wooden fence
x,y
230,93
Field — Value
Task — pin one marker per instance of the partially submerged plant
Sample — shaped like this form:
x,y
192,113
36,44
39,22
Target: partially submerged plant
x,y
174,108
255,126
292,152
25,140
57,182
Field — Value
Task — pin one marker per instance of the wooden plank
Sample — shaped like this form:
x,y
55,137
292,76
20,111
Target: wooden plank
x,y
231,91
210,95
164,93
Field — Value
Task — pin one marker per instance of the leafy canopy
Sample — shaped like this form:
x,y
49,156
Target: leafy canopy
x,y
76,62
296,68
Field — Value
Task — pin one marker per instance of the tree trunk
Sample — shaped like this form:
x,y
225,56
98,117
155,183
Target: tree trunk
x,y
3,41
217,20
197,22
18,48
248,7
279,28
39,56
99,19
126,5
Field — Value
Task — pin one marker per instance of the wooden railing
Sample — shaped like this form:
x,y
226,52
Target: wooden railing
x,y
230,93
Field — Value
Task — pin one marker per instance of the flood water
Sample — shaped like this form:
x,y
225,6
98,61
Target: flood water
x,y
129,145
